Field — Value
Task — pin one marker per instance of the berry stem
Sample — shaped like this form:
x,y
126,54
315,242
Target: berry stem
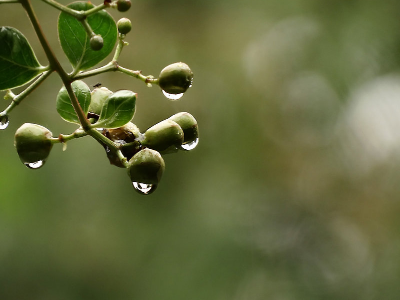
x,y
62,138
87,27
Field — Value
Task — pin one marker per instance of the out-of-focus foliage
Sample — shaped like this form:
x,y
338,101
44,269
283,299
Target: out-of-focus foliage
x,y
292,192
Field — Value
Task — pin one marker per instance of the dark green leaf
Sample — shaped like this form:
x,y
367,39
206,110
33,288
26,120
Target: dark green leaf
x,y
18,63
75,41
118,109
64,105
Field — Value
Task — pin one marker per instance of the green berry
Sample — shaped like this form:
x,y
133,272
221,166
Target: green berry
x,y
165,137
96,42
188,124
98,97
146,166
123,5
124,25
176,78
33,143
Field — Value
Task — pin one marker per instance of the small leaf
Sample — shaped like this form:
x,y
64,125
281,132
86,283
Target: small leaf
x,y
118,109
64,105
18,63
75,42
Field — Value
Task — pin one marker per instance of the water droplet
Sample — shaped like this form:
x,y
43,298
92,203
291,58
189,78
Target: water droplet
x,y
35,165
144,188
191,145
191,83
4,122
172,96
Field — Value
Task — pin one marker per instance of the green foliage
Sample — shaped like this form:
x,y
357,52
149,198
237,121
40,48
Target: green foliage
x,y
75,41
118,109
18,63
64,105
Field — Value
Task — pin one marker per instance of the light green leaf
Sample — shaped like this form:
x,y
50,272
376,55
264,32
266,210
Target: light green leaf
x,y
75,41
18,63
64,105
118,109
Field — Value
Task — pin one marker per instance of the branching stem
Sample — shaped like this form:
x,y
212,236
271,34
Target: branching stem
x,y
56,66
113,66
79,15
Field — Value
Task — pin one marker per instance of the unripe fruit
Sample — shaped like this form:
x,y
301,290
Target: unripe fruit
x,y
33,143
176,78
165,137
146,166
96,42
98,96
124,26
123,5
188,124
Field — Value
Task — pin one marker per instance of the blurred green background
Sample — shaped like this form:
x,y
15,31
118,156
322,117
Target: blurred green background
x,y
292,193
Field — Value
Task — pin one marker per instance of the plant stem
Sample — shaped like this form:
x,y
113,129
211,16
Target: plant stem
x,y
62,138
122,158
138,75
112,67
87,27
18,98
95,9
79,15
107,68
56,66
120,46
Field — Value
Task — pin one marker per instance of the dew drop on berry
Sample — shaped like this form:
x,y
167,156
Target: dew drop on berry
x,y
144,188
191,145
4,122
35,165
172,96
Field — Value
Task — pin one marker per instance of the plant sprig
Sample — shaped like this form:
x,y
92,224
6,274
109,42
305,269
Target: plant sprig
x,y
87,35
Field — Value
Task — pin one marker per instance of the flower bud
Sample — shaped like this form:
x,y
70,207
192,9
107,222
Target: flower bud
x,y
176,78
124,26
96,42
165,137
188,124
146,167
33,143
123,5
98,96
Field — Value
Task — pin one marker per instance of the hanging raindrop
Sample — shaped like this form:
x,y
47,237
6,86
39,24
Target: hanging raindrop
x,y
4,122
35,165
144,188
191,145
172,96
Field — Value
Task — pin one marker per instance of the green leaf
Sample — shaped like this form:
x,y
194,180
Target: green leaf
x,y
64,105
118,109
76,42
18,63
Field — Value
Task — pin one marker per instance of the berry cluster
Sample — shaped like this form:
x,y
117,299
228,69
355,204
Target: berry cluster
x,y
100,113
